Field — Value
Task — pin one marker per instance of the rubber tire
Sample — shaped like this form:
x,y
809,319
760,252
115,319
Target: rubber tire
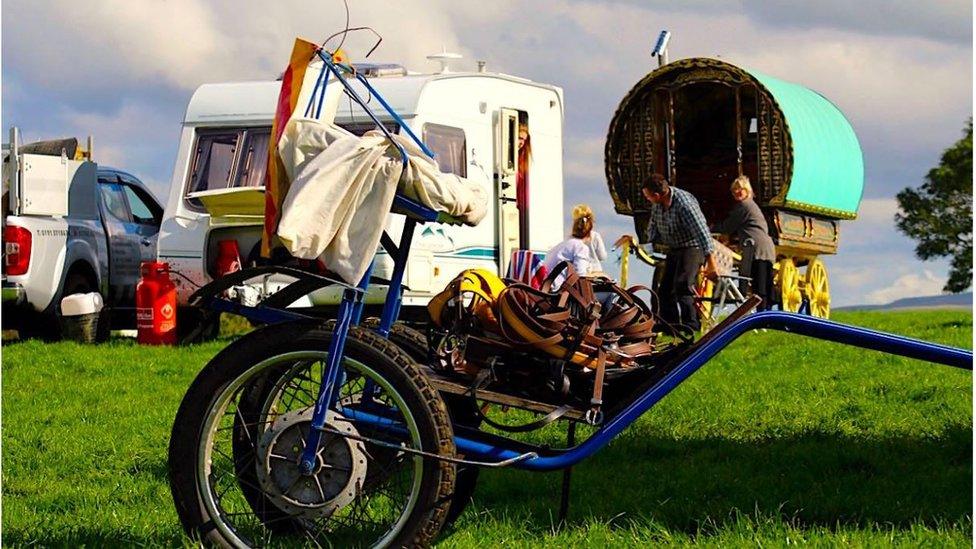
x,y
77,283
387,359
415,344
44,327
189,318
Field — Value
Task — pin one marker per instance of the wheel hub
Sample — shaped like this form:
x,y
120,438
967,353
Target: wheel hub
x,y
338,474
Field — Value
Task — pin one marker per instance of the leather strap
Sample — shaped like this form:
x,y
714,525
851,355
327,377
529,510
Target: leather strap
x,y
483,378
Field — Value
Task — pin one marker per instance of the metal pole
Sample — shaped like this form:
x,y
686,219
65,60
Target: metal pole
x,y
14,192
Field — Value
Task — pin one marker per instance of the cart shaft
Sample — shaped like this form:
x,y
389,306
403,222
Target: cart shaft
x,y
774,320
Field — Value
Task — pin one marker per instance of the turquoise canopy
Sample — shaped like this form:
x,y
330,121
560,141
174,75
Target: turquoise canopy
x,y
807,157
828,168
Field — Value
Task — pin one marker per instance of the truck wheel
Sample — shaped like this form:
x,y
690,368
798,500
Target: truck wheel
x,y
196,325
38,326
94,328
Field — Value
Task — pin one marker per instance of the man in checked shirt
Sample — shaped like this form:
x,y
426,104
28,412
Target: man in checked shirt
x,y
677,222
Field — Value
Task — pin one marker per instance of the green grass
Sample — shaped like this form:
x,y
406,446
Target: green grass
x,y
779,440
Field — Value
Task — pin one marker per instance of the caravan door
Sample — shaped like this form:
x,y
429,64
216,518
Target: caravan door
x,y
506,177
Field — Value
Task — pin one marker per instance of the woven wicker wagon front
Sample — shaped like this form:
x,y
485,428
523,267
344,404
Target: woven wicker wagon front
x,y
702,122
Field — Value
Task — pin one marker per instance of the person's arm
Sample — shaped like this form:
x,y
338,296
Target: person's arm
x,y
599,249
652,235
703,238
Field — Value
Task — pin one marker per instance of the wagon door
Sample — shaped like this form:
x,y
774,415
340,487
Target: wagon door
x,y
506,177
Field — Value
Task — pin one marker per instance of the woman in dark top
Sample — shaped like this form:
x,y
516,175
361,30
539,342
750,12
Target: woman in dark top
x,y
747,225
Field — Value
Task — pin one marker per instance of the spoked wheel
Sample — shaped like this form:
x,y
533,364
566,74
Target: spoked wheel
x,y
242,426
818,289
460,409
789,286
705,291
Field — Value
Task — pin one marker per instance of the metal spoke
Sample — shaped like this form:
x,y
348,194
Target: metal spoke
x,y
379,497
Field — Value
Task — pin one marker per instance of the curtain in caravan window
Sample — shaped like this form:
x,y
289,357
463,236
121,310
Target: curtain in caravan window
x,y
215,161
449,147
254,159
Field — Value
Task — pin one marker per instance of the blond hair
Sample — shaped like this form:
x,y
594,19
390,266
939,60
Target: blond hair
x,y
582,221
581,210
742,182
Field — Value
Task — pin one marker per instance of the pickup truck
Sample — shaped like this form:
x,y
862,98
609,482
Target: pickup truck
x,y
71,226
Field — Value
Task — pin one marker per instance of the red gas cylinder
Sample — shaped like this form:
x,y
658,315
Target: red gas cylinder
x,y
156,305
228,257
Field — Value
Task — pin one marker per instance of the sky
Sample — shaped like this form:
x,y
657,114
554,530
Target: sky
x,y
901,71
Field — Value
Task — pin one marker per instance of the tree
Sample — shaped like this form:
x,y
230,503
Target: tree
x,y
939,214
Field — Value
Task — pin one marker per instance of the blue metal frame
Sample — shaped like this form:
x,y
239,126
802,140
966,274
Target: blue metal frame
x,y
351,306
774,320
350,309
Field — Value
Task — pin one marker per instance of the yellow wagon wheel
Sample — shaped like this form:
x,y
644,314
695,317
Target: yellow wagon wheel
x,y
789,286
818,289
705,290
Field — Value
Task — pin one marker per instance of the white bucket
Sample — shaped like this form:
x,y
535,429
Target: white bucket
x,y
81,304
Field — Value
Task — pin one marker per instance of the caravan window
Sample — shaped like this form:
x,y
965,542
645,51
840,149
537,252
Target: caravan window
x,y
229,158
255,161
449,147
213,163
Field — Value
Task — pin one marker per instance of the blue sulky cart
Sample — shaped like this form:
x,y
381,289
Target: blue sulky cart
x,y
338,432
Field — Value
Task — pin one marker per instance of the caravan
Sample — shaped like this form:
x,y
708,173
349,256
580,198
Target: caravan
x,y
469,119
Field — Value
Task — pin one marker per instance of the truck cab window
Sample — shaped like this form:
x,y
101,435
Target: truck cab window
x,y
114,199
140,209
449,147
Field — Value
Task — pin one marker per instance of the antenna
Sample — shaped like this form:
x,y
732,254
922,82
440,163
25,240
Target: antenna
x,y
445,57
661,48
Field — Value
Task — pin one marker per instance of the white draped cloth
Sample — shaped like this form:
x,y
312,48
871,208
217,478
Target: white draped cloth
x,y
343,187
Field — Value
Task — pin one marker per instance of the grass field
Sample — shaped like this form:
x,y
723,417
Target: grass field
x,y
779,440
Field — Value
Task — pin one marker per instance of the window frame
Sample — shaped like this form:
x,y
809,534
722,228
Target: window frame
x,y
246,154
147,200
243,134
102,183
240,153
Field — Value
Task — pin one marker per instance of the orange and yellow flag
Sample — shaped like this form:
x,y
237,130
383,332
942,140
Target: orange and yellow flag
x,y
276,186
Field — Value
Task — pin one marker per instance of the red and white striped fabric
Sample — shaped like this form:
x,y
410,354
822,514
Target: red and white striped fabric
x,y
527,267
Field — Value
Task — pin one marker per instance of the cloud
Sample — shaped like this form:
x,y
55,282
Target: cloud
x,y
115,41
147,156
113,44
583,158
901,72
909,285
944,21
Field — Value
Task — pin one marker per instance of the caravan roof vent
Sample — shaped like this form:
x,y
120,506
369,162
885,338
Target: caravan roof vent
x,y
377,70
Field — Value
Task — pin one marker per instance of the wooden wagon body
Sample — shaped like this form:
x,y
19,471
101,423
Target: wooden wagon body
x,y
702,122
